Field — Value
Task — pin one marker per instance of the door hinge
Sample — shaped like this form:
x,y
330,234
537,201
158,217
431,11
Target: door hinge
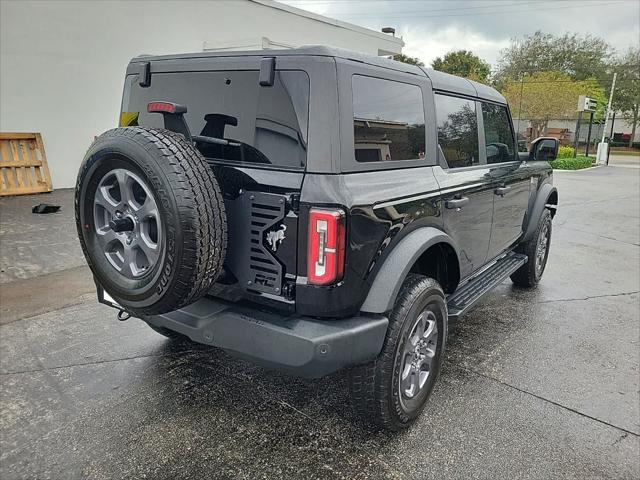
x,y
294,199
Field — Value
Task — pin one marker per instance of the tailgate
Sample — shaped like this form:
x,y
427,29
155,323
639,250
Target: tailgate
x,y
262,231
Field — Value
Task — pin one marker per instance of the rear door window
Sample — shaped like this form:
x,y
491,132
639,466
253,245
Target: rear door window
x,y
498,135
268,124
457,130
388,120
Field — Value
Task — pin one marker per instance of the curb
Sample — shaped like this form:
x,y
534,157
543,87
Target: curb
x,y
579,170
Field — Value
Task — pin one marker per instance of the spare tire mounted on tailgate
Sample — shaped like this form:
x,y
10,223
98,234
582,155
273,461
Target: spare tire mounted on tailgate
x,y
150,218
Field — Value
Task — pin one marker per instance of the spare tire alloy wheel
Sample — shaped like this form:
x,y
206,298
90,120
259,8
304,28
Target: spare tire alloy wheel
x,y
127,223
151,219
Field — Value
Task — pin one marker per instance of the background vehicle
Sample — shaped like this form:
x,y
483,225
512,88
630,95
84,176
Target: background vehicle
x,y
313,209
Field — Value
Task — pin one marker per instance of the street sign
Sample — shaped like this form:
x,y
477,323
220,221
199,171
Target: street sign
x,y
586,104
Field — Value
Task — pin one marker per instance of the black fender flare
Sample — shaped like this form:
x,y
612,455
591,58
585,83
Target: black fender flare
x,y
542,199
396,267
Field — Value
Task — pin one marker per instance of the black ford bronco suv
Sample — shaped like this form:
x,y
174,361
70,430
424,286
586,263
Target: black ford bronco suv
x,y
313,209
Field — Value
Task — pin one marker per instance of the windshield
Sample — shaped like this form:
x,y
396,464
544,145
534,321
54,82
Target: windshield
x,y
267,125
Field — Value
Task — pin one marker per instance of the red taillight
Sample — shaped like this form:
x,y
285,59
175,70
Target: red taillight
x,y
160,107
325,254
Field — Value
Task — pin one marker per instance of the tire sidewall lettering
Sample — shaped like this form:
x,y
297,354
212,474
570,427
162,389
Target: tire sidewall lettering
x,y
402,416
166,169
167,269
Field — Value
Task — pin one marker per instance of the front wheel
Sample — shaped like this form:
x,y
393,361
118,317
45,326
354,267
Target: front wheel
x,y
537,251
392,390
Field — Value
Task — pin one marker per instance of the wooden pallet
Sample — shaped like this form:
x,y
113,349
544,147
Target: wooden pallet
x,y
23,164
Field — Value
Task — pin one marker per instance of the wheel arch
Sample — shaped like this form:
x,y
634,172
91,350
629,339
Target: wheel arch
x,y
547,197
552,202
427,251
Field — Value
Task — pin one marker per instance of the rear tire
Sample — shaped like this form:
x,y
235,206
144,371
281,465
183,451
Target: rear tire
x,y
392,390
151,219
537,251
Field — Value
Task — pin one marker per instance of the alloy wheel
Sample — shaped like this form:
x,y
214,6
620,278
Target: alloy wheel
x,y
418,356
127,223
541,249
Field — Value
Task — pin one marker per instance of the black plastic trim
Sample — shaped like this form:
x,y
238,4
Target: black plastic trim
x,y
472,291
396,267
267,71
542,198
303,346
144,74
300,345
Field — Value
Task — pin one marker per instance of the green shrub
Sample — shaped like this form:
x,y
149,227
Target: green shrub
x,y
624,144
565,151
572,163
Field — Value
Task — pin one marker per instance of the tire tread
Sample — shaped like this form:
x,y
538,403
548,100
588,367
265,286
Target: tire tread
x,y
368,383
525,276
200,205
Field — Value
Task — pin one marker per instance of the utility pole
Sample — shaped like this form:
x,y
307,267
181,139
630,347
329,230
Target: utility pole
x,y
606,118
603,149
613,122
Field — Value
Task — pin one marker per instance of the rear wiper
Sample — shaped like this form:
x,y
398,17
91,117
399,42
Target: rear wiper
x,y
215,141
173,115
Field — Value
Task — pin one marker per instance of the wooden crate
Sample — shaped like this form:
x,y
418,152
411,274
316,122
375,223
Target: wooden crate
x,y
23,164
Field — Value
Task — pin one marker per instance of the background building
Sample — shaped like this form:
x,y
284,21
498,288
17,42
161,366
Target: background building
x,y
565,129
63,63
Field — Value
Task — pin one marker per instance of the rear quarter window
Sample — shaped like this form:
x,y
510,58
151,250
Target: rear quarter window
x,y
388,120
269,123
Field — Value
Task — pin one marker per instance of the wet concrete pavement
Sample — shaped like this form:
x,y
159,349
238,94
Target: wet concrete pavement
x,y
536,384
33,245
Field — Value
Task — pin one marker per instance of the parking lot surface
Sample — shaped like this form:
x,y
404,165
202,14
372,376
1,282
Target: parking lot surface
x,y
536,384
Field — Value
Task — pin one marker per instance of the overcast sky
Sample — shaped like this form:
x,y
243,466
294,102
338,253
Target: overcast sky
x,y
431,28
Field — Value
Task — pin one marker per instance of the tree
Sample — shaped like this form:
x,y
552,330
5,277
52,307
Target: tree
x,y
626,96
579,57
458,132
542,96
401,57
464,64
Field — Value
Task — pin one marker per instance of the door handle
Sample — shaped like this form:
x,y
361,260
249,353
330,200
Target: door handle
x,y
456,203
502,191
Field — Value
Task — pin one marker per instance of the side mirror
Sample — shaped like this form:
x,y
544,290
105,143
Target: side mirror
x,y
544,149
492,150
522,146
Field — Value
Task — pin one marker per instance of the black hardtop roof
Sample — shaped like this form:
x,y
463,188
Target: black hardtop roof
x,y
440,80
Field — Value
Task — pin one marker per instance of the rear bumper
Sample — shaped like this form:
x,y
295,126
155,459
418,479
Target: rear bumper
x,y
300,345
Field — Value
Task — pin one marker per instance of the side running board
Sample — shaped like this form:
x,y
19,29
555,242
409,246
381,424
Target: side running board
x,y
468,294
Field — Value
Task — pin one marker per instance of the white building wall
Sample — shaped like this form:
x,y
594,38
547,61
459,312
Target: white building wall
x,y
621,125
62,63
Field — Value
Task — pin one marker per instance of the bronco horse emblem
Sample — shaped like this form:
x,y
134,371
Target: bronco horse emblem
x,y
275,237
